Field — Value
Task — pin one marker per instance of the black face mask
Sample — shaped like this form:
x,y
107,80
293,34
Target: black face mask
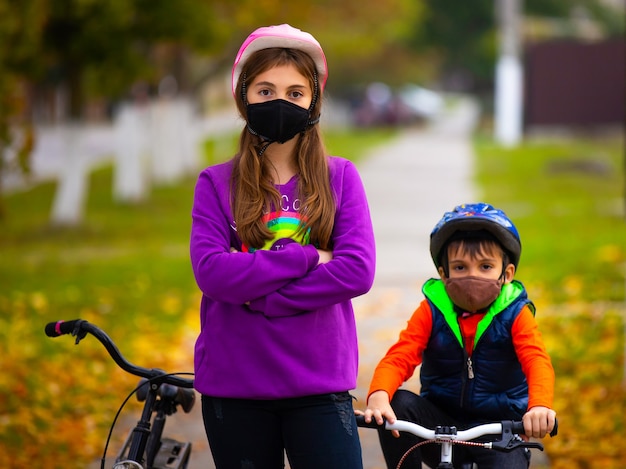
x,y
277,120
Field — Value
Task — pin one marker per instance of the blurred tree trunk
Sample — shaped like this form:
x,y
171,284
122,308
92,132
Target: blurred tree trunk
x,y
75,92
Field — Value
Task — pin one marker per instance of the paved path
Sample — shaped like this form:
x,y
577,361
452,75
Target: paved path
x,y
410,184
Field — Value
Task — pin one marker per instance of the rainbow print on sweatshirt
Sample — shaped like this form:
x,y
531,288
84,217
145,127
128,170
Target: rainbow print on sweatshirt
x,y
284,225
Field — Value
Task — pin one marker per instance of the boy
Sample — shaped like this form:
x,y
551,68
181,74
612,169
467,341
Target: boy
x,y
481,354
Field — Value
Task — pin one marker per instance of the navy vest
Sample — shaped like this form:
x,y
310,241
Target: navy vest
x,y
489,385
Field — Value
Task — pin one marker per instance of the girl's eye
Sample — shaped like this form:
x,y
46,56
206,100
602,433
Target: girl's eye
x,y
296,94
264,92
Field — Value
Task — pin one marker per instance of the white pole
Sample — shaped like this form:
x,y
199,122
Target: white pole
x,y
72,185
508,103
130,178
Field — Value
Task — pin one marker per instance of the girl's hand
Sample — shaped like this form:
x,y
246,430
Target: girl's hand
x,y
325,256
378,407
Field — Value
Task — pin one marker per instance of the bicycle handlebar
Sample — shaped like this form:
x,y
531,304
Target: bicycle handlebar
x,y
507,429
79,328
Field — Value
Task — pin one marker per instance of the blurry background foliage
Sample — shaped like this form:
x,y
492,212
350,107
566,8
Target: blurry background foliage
x,y
126,268
95,51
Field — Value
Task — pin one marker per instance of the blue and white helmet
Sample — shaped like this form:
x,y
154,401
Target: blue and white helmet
x,y
474,217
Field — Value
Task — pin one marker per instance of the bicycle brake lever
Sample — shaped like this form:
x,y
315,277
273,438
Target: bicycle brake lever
x,y
511,441
509,444
79,332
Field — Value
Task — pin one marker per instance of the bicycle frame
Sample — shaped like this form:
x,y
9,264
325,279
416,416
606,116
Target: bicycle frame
x,y
505,436
147,437
161,392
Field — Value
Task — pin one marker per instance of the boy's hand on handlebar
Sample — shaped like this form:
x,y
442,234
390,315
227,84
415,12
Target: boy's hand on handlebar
x,y
379,408
539,421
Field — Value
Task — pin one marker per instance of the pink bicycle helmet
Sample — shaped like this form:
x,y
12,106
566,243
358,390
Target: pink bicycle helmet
x,y
285,36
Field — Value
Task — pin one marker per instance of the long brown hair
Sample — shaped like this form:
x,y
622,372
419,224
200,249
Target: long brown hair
x,y
252,188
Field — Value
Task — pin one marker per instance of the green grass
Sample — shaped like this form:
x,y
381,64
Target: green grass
x,y
566,197
120,262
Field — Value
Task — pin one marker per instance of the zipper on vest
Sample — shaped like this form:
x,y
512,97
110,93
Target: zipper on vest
x,y
468,373
470,368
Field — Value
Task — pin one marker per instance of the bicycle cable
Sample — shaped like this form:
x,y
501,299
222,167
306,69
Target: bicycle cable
x,y
119,411
421,443
411,449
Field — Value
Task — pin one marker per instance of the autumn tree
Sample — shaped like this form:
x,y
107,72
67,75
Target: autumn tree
x,y
20,29
89,48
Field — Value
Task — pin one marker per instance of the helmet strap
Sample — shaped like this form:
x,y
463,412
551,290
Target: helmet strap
x,y
263,148
244,90
316,94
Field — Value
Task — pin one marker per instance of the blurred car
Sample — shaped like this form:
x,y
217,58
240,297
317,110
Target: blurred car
x,y
424,103
380,105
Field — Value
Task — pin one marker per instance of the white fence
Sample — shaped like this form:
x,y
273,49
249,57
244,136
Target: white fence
x,y
155,144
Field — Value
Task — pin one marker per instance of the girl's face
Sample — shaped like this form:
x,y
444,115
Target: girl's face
x,y
487,263
281,82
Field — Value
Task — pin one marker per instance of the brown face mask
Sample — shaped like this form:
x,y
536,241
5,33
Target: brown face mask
x,y
473,293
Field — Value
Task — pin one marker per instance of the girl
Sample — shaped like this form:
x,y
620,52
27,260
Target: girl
x,y
281,241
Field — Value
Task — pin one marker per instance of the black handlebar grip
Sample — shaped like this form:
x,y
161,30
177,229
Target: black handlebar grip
x,y
555,430
56,329
360,422
518,428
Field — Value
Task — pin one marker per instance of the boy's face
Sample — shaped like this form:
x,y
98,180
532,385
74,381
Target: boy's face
x,y
485,262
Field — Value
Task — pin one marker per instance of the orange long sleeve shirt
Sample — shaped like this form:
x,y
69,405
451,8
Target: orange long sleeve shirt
x,y
401,360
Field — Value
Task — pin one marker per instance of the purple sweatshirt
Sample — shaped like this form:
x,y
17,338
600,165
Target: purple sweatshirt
x,y
274,324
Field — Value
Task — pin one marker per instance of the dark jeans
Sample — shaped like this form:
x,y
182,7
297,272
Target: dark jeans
x,y
409,406
316,432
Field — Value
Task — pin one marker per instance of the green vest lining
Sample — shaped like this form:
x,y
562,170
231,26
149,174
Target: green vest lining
x,y
435,291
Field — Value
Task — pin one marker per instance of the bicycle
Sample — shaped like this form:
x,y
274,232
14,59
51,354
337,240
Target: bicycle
x,y
505,439
162,393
